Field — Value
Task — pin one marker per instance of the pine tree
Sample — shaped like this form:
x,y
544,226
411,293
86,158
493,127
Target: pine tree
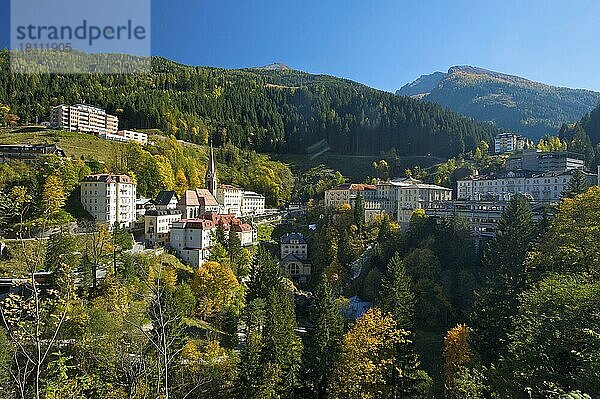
x,y
325,339
282,345
359,212
395,296
577,185
264,275
503,262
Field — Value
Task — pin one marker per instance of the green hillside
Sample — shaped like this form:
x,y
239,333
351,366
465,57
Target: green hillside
x,y
282,111
509,102
76,145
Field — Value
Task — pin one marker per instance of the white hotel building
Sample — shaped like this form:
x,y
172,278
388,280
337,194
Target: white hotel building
x,y
397,198
252,203
83,118
544,187
109,198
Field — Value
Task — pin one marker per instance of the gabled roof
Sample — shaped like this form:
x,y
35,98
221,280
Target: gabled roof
x,y
165,197
189,198
293,236
205,197
291,258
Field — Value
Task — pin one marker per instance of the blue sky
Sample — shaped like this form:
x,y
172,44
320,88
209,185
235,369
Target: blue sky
x,y
382,43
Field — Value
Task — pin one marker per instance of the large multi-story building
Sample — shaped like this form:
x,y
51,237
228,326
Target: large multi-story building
x,y
109,198
28,153
252,203
83,118
482,216
397,198
192,239
346,194
537,186
157,226
538,161
230,198
509,142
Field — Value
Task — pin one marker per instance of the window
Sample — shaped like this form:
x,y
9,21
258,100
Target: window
x,y
294,269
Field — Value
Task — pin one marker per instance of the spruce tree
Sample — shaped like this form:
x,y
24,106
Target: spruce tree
x,y
503,262
282,349
577,185
263,276
359,212
395,296
324,341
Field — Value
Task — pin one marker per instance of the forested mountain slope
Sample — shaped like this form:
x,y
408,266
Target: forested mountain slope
x,y
509,102
280,110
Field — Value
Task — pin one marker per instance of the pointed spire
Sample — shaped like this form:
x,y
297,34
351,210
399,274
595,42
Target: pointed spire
x,y
211,173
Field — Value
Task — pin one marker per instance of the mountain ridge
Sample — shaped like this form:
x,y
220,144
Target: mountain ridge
x,y
511,102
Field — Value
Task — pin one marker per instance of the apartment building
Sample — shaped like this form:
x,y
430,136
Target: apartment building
x,y
252,203
28,153
537,161
508,142
157,226
110,198
132,135
397,198
192,239
83,118
537,186
230,198
346,193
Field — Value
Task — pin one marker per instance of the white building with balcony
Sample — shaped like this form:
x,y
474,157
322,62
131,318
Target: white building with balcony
x,y
110,198
83,118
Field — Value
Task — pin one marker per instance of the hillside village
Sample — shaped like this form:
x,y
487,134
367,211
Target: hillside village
x,y
307,251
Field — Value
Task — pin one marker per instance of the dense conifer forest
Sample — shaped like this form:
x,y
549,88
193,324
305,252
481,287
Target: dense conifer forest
x,y
268,111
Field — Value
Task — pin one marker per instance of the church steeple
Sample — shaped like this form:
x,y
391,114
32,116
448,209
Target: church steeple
x,y
210,180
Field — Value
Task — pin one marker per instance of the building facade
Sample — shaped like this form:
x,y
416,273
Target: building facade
x,y
346,194
157,226
110,198
537,161
132,135
195,203
230,198
508,142
83,118
192,239
252,203
294,262
397,198
28,153
537,186
166,200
